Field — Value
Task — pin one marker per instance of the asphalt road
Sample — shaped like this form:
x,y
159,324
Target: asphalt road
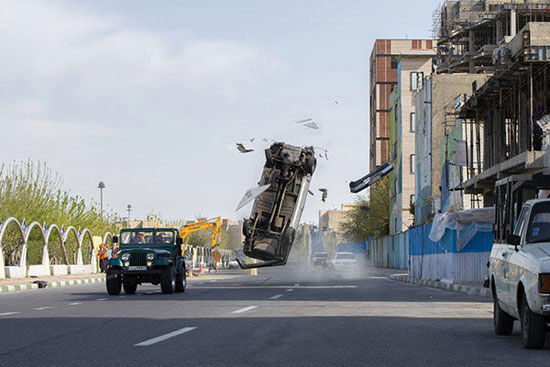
x,y
291,316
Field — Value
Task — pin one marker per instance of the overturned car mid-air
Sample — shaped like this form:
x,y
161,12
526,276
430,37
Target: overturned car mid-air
x,y
278,204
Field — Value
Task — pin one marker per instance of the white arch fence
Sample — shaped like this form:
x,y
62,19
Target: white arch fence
x,y
74,260
71,259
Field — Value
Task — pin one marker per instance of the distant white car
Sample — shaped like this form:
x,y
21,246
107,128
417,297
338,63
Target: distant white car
x,y
343,261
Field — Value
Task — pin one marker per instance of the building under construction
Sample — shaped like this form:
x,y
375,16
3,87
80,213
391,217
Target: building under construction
x,y
508,117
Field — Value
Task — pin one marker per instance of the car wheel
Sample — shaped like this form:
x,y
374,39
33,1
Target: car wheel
x,y
168,280
181,282
246,227
129,285
311,164
502,322
114,284
533,327
288,235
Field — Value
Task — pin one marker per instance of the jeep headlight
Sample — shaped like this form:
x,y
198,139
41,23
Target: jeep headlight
x,y
125,256
150,256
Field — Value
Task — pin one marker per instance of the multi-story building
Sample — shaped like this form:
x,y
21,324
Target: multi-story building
x,y
332,220
411,69
437,132
384,61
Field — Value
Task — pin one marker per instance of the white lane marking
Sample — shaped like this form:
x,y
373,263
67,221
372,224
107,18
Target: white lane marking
x,y
9,313
277,296
102,299
297,284
43,308
164,337
289,290
74,303
245,309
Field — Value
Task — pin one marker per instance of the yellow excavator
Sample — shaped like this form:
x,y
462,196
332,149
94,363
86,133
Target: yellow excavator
x,y
214,223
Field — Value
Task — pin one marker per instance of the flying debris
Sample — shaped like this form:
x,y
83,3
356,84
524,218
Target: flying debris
x,y
336,102
325,151
303,121
242,149
264,139
371,178
325,194
251,195
311,125
252,140
311,192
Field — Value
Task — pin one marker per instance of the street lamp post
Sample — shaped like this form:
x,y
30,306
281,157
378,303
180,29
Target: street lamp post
x,y
129,209
101,186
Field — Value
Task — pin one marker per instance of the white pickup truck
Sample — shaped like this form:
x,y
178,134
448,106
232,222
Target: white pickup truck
x,y
519,274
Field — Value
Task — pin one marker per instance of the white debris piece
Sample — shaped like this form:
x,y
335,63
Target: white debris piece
x,y
251,195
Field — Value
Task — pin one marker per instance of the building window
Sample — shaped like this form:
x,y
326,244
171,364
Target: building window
x,y
413,122
417,80
413,164
394,62
412,199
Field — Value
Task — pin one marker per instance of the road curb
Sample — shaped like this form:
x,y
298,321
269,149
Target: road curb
x,y
53,284
471,290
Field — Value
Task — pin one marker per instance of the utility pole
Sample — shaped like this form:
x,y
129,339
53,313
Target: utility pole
x,y
129,209
101,186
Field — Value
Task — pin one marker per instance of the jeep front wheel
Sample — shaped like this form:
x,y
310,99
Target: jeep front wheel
x,y
129,285
114,284
181,281
533,327
168,280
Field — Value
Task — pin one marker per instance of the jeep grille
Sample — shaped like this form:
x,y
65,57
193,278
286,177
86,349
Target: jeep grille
x,y
138,258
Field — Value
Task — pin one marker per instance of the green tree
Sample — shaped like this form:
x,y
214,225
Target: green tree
x,y
32,191
369,218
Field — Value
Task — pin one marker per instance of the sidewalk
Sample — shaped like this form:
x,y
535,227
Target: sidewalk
x,y
402,275
15,285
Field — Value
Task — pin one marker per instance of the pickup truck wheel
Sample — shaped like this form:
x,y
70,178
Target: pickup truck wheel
x,y
114,284
533,327
181,282
168,280
502,322
129,285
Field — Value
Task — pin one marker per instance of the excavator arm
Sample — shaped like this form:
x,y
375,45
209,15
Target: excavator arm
x,y
214,224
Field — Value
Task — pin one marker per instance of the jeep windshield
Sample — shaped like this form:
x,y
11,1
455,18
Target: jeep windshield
x,y
539,225
147,237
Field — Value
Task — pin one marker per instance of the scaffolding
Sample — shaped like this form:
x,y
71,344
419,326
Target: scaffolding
x,y
471,30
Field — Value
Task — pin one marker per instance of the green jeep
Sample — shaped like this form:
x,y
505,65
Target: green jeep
x,y
147,255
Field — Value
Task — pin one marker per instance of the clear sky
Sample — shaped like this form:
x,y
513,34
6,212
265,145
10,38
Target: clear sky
x,y
151,96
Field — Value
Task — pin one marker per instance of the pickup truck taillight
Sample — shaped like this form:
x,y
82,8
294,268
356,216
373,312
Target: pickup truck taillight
x,y
544,283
